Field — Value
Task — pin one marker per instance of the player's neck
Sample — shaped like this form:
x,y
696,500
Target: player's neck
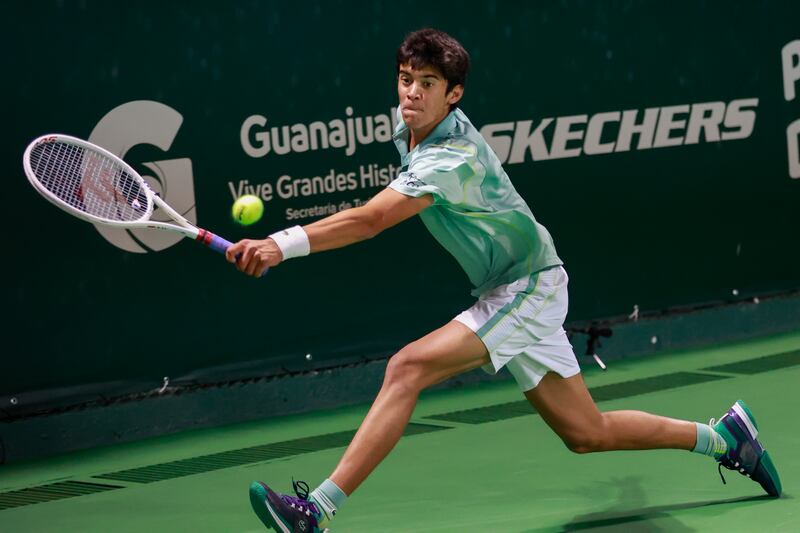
x,y
416,136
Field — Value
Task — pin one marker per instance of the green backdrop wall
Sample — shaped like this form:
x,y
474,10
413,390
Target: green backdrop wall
x,y
653,140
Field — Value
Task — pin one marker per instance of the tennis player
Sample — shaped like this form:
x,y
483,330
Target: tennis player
x,y
455,183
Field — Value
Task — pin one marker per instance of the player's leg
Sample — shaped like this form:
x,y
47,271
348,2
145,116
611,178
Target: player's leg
x,y
447,351
568,408
545,367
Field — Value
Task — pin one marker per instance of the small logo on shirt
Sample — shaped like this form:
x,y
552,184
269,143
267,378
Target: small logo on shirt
x,y
411,180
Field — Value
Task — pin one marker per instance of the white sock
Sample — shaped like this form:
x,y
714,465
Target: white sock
x,y
329,497
709,442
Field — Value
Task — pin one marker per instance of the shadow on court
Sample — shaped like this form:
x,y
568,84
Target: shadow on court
x,y
630,515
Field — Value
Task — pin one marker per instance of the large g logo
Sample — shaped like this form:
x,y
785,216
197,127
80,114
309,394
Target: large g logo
x,y
148,122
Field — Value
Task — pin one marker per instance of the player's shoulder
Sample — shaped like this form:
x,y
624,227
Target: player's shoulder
x,y
450,153
451,146
461,137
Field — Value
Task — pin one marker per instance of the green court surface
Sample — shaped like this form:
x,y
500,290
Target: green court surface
x,y
473,459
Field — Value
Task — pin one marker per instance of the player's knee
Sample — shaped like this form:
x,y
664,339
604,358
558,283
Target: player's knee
x,y
583,441
404,370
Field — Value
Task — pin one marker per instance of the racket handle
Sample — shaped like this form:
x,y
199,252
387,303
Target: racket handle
x,y
217,243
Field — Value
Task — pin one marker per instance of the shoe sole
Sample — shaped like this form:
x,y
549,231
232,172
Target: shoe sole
x,y
766,470
258,500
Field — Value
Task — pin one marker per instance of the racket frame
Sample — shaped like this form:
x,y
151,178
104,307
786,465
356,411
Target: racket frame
x,y
183,226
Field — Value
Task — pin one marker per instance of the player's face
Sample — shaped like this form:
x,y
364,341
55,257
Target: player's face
x,y
424,100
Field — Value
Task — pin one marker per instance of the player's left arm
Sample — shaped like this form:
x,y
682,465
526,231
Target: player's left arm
x,y
384,210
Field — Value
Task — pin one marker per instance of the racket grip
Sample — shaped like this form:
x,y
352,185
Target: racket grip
x,y
217,243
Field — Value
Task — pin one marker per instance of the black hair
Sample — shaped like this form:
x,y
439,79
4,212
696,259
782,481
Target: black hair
x,y
434,48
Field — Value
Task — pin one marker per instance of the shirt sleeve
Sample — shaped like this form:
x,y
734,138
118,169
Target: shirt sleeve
x,y
440,171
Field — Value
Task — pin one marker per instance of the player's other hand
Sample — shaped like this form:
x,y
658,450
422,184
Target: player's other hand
x,y
254,257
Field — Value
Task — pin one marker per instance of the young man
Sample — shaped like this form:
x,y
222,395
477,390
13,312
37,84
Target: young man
x,y
454,182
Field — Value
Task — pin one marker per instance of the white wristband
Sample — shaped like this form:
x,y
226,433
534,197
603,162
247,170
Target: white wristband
x,y
293,242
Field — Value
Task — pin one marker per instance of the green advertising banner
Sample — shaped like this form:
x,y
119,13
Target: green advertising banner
x,y
658,142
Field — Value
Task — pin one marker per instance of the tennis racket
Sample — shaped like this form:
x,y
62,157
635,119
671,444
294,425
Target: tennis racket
x,y
93,184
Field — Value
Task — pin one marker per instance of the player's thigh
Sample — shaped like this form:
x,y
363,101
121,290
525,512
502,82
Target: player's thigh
x,y
566,405
448,351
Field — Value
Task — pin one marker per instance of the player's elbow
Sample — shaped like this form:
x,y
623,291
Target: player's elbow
x,y
372,230
371,223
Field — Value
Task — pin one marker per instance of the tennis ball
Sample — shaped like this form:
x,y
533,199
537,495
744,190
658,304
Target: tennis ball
x,y
247,209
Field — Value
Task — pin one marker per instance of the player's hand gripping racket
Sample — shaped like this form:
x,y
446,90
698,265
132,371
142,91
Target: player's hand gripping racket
x,y
93,184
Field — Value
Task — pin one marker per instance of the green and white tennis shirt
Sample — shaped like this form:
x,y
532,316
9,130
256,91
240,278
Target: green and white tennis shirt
x,y
477,214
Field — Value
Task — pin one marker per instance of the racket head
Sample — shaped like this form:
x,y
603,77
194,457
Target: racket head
x,y
87,181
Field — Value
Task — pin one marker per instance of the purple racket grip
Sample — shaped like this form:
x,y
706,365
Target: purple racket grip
x,y
217,243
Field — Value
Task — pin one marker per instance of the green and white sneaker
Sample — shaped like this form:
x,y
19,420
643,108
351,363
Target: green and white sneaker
x,y
745,452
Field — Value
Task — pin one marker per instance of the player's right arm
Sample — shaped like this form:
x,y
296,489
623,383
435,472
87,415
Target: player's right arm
x,y
383,211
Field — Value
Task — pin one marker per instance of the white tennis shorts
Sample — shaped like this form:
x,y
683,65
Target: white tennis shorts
x,y
521,324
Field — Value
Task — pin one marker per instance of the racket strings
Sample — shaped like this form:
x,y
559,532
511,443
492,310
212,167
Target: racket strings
x,y
89,182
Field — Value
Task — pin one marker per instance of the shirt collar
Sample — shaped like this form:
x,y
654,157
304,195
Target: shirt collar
x,y
442,129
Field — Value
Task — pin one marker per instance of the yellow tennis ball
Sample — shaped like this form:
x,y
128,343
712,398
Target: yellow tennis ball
x,y
247,209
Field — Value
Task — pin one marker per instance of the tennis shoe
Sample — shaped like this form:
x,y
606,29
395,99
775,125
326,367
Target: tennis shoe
x,y
746,454
284,513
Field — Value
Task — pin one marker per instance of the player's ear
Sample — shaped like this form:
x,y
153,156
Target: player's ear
x,y
455,94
